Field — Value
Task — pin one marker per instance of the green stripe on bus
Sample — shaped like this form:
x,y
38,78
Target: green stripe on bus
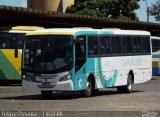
x,y
7,71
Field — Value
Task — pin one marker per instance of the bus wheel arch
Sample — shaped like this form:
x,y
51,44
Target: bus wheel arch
x,y
130,81
132,74
94,89
129,86
92,78
90,89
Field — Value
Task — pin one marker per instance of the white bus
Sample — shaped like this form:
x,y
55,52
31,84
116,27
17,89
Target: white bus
x,y
85,60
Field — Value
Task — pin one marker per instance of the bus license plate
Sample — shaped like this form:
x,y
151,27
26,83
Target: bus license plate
x,y
46,84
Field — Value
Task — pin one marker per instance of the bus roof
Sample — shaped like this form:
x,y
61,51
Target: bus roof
x,y
155,38
19,29
85,31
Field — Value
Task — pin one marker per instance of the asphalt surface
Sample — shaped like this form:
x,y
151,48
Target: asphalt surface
x,y
144,101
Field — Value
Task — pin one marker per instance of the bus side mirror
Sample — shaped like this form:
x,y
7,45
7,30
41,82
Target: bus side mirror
x,y
16,48
16,53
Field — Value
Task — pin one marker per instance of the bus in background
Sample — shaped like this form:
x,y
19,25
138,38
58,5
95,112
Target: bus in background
x,y
155,55
85,60
11,44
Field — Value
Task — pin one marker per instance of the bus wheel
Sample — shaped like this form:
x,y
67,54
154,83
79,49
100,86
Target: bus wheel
x,y
88,92
95,92
46,94
127,88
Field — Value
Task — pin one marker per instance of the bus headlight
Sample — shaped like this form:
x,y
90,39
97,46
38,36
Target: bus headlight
x,y
65,77
25,78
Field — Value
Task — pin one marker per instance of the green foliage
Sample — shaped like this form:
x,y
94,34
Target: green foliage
x,y
118,9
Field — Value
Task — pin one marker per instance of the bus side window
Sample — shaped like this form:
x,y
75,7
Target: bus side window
x,y
155,45
7,41
140,39
129,47
113,45
3,45
146,45
116,45
137,44
20,40
104,45
126,45
93,46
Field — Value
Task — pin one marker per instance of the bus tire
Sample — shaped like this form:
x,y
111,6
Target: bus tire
x,y
95,92
89,90
46,94
127,88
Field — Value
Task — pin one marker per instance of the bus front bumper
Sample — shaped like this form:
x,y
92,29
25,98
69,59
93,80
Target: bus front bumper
x,y
59,86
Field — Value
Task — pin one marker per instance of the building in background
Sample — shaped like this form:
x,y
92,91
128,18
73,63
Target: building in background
x,y
50,5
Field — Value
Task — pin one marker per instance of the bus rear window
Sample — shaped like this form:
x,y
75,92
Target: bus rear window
x,y
7,41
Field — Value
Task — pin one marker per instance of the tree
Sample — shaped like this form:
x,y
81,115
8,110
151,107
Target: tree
x,y
154,10
118,9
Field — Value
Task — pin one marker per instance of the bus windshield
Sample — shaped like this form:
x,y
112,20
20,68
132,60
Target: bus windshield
x,y
44,54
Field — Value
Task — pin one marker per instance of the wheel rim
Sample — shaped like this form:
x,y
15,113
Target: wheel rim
x,y
130,83
129,86
89,88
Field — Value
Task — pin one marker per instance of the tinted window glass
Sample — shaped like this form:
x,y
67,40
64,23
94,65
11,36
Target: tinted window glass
x,y
20,40
155,45
104,45
137,45
80,48
146,45
7,41
126,44
49,54
93,45
113,45
118,42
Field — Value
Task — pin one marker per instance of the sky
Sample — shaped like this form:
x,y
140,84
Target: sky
x,y
141,12
17,3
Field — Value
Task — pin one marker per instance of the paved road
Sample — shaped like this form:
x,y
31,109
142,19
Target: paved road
x,y
145,99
